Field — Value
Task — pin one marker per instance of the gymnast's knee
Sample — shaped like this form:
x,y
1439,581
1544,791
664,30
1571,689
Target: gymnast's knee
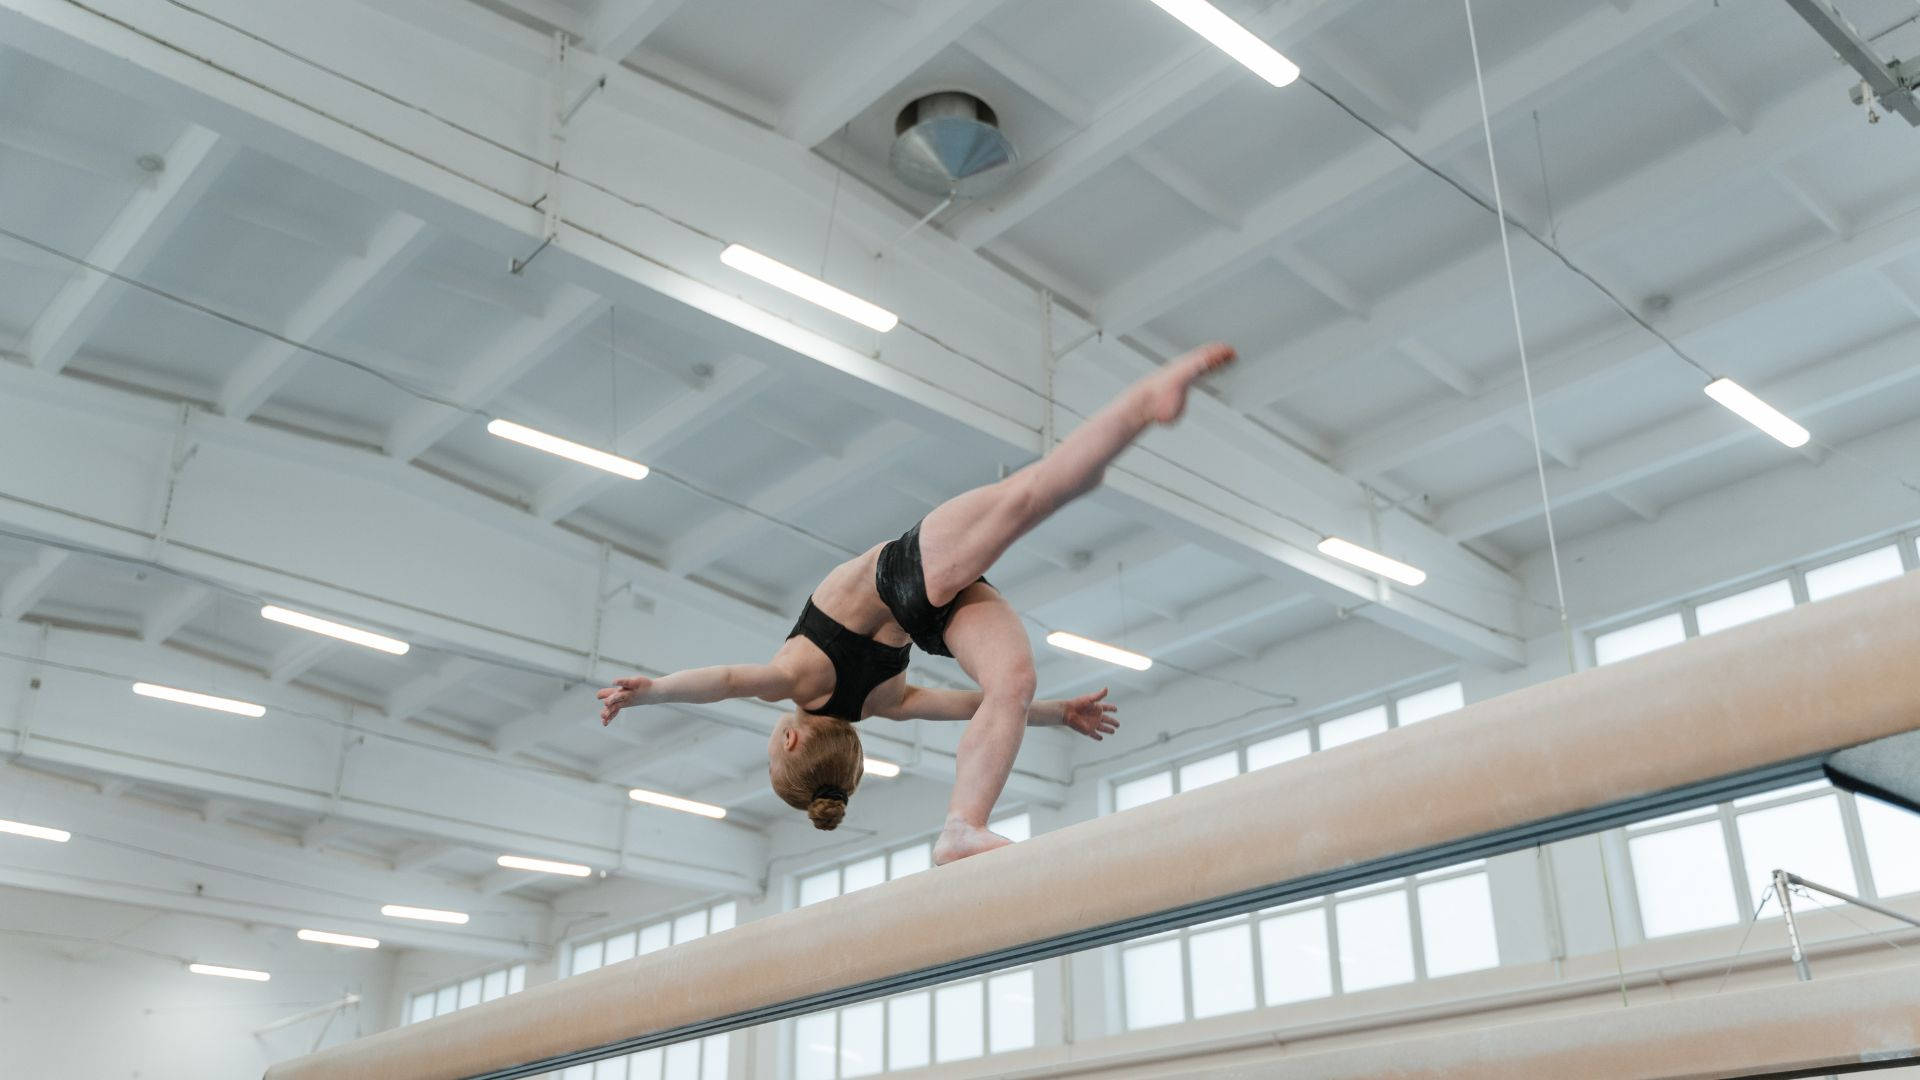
x,y
1012,686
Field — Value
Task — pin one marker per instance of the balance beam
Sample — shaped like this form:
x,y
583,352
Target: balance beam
x,y
1746,710
1844,1025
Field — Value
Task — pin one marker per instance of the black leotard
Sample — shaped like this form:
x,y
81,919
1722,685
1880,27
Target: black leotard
x,y
859,663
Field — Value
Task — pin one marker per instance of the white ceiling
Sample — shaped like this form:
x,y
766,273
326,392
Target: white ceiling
x,y
1698,158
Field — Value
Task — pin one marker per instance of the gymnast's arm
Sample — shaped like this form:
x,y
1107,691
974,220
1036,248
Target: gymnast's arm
x,y
697,686
1088,714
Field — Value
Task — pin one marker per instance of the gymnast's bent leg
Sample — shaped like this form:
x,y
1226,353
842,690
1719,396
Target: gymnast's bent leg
x,y
963,537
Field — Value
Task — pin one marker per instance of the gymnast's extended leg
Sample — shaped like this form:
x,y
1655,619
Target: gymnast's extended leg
x,y
960,540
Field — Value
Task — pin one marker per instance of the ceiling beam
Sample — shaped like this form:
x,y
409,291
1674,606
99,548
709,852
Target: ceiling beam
x,y
29,585
129,244
1809,392
421,692
570,710
298,657
187,603
654,435
487,376
1196,75
1202,623
1894,236
325,312
874,64
1700,72
1599,40
619,26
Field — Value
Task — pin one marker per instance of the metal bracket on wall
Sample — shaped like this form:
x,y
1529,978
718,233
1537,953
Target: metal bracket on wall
x,y
1890,84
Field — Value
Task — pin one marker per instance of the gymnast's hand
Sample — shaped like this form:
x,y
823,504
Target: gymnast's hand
x,y
1090,715
622,693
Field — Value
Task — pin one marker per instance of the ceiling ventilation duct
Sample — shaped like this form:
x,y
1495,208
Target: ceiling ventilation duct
x,y
951,144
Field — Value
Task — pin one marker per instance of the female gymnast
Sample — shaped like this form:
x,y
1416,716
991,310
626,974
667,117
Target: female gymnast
x,y
846,658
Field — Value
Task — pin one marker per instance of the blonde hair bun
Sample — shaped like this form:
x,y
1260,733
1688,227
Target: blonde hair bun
x,y
826,812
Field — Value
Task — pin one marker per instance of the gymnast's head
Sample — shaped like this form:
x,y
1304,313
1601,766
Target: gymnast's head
x,y
815,763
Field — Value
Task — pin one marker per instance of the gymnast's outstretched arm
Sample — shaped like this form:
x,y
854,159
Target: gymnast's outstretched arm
x,y
697,686
1088,714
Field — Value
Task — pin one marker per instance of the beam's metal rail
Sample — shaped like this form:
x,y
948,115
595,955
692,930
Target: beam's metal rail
x,y
1898,916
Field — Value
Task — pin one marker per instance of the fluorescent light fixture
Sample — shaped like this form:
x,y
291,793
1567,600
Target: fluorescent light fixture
x,y
1758,413
204,701
544,866
809,288
1099,650
882,767
1372,561
1233,39
675,802
351,941
566,448
424,914
352,634
229,972
38,832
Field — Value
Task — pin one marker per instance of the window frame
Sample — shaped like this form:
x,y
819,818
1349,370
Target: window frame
x,y
437,988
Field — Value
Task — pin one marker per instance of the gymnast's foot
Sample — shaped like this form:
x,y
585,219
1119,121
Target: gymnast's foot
x,y
1167,390
959,840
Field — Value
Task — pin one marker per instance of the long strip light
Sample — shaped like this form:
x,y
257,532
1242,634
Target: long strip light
x,y
203,701
424,914
675,802
1233,39
1758,413
351,634
882,767
327,937
38,832
809,288
544,866
229,972
1372,561
1099,650
567,448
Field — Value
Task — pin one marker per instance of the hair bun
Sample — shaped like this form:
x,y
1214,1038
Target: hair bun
x,y
826,811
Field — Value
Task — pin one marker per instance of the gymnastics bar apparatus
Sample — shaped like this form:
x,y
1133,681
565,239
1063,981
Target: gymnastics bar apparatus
x,y
1831,688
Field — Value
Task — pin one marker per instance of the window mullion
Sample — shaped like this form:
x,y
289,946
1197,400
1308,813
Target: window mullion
x,y
1338,983
1417,936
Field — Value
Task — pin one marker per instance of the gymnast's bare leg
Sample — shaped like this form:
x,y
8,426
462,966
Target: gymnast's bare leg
x,y
964,536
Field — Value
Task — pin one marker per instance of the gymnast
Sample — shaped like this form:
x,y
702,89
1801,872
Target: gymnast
x,y
846,658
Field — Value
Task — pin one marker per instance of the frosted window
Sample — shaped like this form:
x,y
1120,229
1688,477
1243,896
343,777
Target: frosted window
x,y
1893,846
578,1072
1456,926
910,860
494,985
1681,877
1293,957
813,1048
644,1065
1211,770
421,1008
618,948
470,993
722,917
1850,574
1803,837
1744,607
1639,638
610,1069
863,874
447,1000
1016,828
1376,941
689,926
1221,963
656,937
1428,704
713,1056
1456,868
1010,1012
683,1062
1782,793
1142,791
959,1022
1353,728
1152,979
862,1040
909,1030
819,887
1294,744
516,978
585,958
